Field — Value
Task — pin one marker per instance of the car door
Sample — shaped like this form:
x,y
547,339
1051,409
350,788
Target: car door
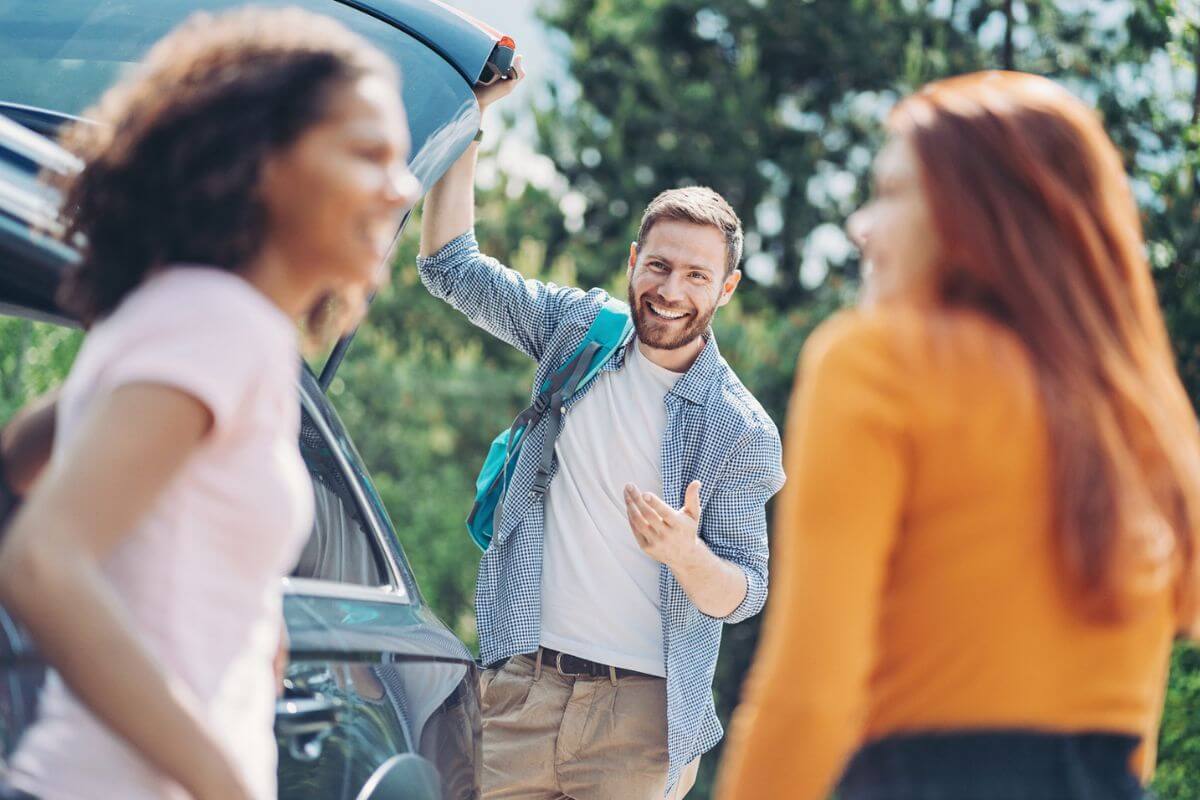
x,y
370,662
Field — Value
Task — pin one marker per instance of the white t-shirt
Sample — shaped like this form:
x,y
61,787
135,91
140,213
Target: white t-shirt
x,y
200,575
600,596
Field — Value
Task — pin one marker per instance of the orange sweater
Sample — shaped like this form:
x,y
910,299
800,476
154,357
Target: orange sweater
x,y
915,582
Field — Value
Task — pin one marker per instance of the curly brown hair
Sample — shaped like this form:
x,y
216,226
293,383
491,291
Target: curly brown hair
x,y
173,154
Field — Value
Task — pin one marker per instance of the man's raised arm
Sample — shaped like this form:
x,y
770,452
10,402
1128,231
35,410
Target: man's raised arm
x,y
449,209
523,312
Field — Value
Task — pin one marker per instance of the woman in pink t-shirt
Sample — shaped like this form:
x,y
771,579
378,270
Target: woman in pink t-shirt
x,y
249,176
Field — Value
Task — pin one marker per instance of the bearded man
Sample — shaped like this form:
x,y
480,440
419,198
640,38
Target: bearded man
x,y
600,601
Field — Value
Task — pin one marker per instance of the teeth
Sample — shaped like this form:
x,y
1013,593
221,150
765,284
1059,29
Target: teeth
x,y
666,314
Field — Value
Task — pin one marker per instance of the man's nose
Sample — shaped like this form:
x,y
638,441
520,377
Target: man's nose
x,y
672,289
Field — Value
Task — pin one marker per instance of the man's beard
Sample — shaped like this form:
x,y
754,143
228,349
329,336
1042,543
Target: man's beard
x,y
653,331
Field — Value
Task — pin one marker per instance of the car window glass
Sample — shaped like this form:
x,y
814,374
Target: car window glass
x,y
342,546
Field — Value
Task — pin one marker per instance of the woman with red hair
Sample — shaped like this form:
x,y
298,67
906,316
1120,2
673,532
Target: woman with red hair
x,y
988,543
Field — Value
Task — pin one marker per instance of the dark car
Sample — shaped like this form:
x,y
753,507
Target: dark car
x,y
380,699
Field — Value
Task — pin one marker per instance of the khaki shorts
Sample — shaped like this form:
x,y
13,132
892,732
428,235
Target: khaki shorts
x,y
551,736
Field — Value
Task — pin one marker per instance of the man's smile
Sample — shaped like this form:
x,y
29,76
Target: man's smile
x,y
658,311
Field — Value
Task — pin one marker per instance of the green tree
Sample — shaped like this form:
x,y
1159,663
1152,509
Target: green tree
x,y
34,358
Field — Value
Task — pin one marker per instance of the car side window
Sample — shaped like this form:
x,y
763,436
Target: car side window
x,y
342,545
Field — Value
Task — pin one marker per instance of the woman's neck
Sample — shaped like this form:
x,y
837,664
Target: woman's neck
x,y
282,284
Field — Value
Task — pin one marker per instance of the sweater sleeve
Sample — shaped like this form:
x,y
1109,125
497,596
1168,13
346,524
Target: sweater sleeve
x,y
805,699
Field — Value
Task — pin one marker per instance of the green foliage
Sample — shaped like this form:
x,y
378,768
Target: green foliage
x,y
1179,737
34,358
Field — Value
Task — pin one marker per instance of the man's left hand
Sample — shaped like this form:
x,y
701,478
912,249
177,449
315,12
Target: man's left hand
x,y
502,87
668,536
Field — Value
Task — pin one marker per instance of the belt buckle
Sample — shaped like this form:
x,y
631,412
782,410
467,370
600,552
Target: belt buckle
x,y
558,664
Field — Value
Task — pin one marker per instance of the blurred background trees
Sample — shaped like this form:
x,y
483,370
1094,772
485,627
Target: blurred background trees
x,y
778,105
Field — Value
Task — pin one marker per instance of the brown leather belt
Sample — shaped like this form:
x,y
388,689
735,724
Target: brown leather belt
x,y
570,666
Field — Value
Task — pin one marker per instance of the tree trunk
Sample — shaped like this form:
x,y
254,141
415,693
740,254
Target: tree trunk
x,y
12,381
1008,34
1196,66
1196,102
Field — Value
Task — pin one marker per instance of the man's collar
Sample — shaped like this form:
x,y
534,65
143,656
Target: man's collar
x,y
694,384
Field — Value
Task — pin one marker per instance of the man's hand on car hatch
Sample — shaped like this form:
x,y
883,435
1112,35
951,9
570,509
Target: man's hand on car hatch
x,y
486,95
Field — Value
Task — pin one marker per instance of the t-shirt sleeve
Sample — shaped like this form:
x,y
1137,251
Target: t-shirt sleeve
x,y
219,359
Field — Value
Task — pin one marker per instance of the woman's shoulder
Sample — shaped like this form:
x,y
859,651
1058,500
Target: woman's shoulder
x,y
905,331
213,290
199,300
198,321
864,326
202,331
903,346
863,334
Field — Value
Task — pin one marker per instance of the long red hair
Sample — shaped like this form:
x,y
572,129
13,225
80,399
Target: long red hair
x,y
1040,230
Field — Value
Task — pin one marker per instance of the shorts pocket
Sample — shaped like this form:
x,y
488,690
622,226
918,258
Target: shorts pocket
x,y
505,691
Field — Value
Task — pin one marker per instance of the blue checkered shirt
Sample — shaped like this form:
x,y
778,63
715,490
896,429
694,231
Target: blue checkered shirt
x,y
716,433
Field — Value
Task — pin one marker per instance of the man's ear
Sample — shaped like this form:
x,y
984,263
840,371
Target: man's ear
x,y
731,282
632,256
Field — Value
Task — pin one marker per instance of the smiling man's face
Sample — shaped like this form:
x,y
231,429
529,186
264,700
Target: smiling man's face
x,y
677,281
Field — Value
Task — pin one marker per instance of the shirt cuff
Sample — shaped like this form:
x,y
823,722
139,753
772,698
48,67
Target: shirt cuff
x,y
452,252
752,603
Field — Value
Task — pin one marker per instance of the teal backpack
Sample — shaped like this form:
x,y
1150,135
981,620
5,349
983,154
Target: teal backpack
x,y
608,331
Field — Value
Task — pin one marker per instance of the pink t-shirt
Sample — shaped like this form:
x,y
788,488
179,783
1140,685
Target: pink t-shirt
x,y
200,575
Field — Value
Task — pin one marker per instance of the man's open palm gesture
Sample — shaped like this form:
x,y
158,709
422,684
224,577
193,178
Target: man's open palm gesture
x,y
665,534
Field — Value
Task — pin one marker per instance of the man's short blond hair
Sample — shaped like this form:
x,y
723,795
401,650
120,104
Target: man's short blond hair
x,y
699,205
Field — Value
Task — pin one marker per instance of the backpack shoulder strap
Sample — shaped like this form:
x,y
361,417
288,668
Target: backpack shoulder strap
x,y
610,329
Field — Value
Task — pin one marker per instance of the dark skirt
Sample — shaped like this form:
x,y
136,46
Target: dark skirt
x,y
994,765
